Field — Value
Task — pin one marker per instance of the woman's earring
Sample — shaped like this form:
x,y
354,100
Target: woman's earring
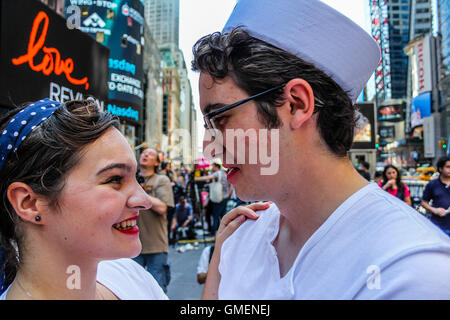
x,y
37,218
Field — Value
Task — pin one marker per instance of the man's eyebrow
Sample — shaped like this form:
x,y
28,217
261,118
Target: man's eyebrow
x,y
122,166
213,106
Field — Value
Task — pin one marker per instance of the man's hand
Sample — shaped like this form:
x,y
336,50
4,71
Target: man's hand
x,y
439,212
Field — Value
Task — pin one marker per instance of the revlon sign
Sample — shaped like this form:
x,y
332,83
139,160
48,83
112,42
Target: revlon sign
x,y
42,58
421,67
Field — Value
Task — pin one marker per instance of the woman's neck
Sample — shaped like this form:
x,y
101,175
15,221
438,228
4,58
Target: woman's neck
x,y
50,272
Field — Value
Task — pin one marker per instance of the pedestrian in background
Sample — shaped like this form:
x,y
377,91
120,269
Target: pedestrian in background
x,y
218,205
153,224
438,191
392,183
182,221
203,264
69,205
378,177
364,170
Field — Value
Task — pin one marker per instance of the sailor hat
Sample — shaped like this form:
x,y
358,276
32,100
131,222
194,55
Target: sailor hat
x,y
314,32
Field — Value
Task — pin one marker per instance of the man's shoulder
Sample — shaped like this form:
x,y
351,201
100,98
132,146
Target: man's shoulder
x,y
161,179
252,230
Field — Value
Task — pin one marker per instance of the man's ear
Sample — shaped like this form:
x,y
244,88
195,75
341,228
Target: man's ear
x,y
25,202
300,97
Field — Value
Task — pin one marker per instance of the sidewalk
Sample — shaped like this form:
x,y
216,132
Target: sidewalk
x,y
183,284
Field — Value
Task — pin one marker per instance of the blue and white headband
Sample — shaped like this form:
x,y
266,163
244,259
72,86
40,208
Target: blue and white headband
x,y
22,124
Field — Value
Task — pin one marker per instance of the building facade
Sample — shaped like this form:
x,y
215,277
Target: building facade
x,y
178,131
395,25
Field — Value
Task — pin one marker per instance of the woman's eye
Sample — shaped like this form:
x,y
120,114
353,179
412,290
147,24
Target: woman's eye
x,y
115,179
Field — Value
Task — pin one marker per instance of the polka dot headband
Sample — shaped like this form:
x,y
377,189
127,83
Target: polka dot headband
x,y
22,124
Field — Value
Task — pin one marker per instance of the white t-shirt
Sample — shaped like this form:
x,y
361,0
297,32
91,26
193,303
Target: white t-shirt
x,y
203,263
127,280
374,246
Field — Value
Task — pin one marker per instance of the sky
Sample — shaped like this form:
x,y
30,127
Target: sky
x,y
202,17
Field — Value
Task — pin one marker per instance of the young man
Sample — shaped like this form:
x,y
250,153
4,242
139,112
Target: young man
x,y
152,223
364,171
438,190
295,67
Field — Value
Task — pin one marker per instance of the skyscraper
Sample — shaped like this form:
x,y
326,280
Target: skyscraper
x,y
163,19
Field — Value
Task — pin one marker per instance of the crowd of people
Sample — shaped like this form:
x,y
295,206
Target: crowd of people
x,y
435,197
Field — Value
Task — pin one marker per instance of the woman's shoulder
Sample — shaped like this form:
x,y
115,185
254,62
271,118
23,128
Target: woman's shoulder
x,y
129,280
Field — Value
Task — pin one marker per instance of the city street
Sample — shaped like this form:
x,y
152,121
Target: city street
x,y
183,284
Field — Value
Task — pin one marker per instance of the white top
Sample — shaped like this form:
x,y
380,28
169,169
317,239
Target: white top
x,y
127,280
203,263
373,246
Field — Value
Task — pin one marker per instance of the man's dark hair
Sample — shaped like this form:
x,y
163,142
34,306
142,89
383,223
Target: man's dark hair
x,y
366,165
255,66
441,162
217,165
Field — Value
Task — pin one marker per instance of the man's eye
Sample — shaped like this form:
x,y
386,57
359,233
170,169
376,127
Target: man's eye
x,y
115,179
220,122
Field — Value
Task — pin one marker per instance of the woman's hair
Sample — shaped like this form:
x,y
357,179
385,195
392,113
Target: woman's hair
x,y
256,66
398,180
43,161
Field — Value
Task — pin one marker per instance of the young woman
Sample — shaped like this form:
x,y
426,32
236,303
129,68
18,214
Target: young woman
x,y
69,206
393,184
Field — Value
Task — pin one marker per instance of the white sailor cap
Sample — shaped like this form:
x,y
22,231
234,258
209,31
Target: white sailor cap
x,y
314,32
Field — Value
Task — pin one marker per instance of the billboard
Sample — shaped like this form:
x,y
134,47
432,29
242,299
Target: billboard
x,y
420,108
386,132
390,112
364,137
379,14
421,67
41,58
119,25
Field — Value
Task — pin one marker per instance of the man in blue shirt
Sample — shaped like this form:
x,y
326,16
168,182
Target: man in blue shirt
x,y
438,190
183,217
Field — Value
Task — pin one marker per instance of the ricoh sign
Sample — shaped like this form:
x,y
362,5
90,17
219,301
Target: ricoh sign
x,y
421,67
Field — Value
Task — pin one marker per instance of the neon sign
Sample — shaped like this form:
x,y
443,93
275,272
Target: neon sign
x,y
52,61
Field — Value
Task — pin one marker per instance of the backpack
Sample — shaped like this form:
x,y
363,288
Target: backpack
x,y
215,190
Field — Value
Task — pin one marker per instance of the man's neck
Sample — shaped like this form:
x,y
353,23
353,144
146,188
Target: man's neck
x,y
147,171
307,205
445,180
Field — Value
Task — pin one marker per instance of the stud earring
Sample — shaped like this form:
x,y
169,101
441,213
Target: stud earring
x,y
37,218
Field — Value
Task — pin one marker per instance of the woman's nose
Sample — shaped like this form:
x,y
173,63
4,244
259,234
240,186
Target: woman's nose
x,y
139,199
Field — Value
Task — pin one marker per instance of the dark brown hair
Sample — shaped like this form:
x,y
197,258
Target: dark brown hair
x,y
43,161
256,66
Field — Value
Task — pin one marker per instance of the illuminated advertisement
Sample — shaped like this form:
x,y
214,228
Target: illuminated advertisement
x,y
379,14
420,108
391,112
386,132
119,25
364,137
41,57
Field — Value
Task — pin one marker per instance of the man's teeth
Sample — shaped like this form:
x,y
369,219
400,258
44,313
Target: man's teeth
x,y
125,224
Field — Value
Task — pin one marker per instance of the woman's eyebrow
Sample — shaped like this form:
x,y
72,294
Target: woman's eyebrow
x,y
122,166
